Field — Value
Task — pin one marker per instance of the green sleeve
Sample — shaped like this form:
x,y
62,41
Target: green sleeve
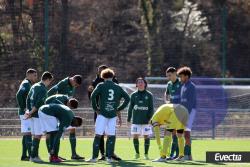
x,y
94,94
53,90
150,108
130,108
21,97
126,100
41,97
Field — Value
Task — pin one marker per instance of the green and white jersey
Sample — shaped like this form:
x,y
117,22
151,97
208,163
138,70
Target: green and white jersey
x,y
36,97
63,87
141,107
22,94
110,95
63,113
57,99
174,91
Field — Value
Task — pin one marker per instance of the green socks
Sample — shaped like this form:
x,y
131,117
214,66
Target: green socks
x,y
24,147
146,145
136,145
72,139
110,146
174,147
48,143
28,142
187,150
96,145
35,147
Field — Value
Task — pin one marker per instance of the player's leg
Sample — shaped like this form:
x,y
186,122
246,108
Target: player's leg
x,y
135,132
110,144
37,133
146,132
174,149
102,148
100,126
180,144
72,139
187,135
27,138
167,141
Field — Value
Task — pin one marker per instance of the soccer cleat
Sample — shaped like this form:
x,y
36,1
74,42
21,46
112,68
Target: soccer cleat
x,y
170,158
93,160
103,158
160,160
137,156
188,157
180,158
25,158
109,160
64,159
36,160
77,157
116,158
55,159
146,157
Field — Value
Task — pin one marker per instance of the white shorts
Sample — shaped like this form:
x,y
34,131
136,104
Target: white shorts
x,y
107,125
141,129
48,123
36,128
190,120
25,124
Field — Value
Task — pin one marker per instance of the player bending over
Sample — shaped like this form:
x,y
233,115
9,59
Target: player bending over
x,y
52,114
109,108
141,110
174,117
67,86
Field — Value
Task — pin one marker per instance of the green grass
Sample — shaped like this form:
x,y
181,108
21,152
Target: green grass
x,y
11,150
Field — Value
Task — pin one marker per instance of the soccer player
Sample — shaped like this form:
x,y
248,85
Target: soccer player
x,y
173,116
35,99
141,110
172,95
188,99
67,87
72,103
52,114
21,96
109,108
93,85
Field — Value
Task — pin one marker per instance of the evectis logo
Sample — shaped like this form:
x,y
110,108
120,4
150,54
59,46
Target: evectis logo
x,y
233,157
230,157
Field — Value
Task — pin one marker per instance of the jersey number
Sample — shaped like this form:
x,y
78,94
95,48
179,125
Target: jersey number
x,y
111,94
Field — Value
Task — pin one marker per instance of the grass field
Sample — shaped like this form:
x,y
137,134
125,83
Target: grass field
x,y
11,150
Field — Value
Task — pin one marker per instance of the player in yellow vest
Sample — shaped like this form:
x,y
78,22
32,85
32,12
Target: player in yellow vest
x,y
173,117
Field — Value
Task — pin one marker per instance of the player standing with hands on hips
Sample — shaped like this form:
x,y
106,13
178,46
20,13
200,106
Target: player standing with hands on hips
x,y
141,109
108,110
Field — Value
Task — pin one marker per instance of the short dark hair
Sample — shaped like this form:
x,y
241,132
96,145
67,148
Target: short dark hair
x,y
103,66
141,78
31,71
47,75
107,73
78,79
73,103
171,69
76,121
185,71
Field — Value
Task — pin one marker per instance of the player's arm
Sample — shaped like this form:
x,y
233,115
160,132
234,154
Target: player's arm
x,y
54,90
130,108
93,98
192,96
166,95
20,96
125,102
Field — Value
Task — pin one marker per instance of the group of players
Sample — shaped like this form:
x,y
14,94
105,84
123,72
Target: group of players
x,y
50,112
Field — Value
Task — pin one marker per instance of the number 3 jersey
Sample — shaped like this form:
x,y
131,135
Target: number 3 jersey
x,y
141,107
110,95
